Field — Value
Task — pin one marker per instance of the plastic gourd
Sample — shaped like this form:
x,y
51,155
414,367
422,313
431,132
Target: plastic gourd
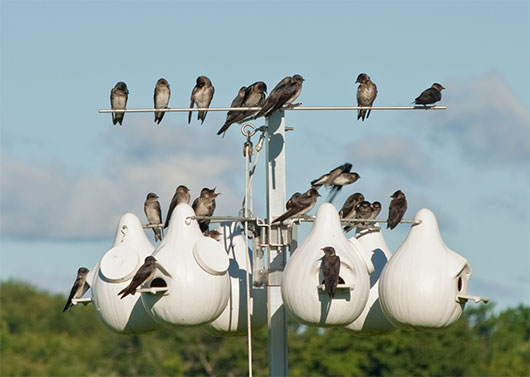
x,y
233,319
424,284
302,291
372,321
194,270
114,272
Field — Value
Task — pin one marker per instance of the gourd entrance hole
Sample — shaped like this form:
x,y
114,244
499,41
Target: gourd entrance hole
x,y
460,284
158,282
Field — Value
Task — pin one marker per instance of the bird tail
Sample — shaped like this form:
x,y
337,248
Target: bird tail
x,y
282,217
158,234
224,128
68,306
333,192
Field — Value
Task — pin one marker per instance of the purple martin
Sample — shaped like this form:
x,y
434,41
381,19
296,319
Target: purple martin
x,y
349,209
118,101
376,210
328,178
153,213
233,115
79,289
283,94
299,204
182,195
366,93
363,211
330,266
204,205
161,98
340,181
144,273
201,95
430,96
397,209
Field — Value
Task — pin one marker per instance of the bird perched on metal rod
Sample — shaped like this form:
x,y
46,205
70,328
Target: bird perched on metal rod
x,y
118,101
366,93
204,205
161,98
79,288
330,266
182,195
430,96
397,209
153,213
144,273
299,204
201,95
284,93
349,208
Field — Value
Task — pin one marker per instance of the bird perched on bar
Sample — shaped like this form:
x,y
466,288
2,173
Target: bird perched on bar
x,y
118,101
161,98
376,210
330,266
253,96
363,211
182,195
284,93
299,204
201,95
153,213
349,208
144,273
366,93
78,289
204,205
430,96
397,209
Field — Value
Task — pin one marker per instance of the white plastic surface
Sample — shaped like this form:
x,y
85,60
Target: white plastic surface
x,y
419,284
196,295
114,272
372,321
302,275
233,319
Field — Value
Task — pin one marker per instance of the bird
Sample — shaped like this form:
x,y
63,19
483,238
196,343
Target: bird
x,y
233,115
204,205
284,93
79,288
340,181
328,178
430,95
366,93
153,213
376,209
349,208
161,98
397,209
363,211
254,96
330,266
118,101
144,273
299,204
214,234
292,200
201,95
182,195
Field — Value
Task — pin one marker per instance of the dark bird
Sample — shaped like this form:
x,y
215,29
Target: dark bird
x,y
397,209
204,205
182,195
79,289
349,208
283,94
201,95
161,98
328,178
234,115
366,93
376,210
118,101
299,204
430,96
153,213
363,211
144,273
330,266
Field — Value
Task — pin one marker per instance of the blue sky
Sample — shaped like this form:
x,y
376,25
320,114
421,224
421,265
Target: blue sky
x,y
67,175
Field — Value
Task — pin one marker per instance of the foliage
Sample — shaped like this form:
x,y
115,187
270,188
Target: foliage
x,y
38,339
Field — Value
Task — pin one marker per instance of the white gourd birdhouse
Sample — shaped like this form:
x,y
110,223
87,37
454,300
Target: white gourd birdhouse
x,y
233,319
114,272
424,284
372,321
194,270
302,280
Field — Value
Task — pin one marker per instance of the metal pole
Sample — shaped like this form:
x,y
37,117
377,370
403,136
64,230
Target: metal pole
x,y
277,317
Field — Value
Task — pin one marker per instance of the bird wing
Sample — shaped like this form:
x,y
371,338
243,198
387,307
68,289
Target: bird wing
x,y
192,102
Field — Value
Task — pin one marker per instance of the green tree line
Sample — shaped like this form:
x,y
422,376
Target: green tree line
x,y
38,339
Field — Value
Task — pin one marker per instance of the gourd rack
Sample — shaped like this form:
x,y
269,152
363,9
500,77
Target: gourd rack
x,y
272,243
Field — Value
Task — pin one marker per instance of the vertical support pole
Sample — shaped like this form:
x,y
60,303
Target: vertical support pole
x,y
277,317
